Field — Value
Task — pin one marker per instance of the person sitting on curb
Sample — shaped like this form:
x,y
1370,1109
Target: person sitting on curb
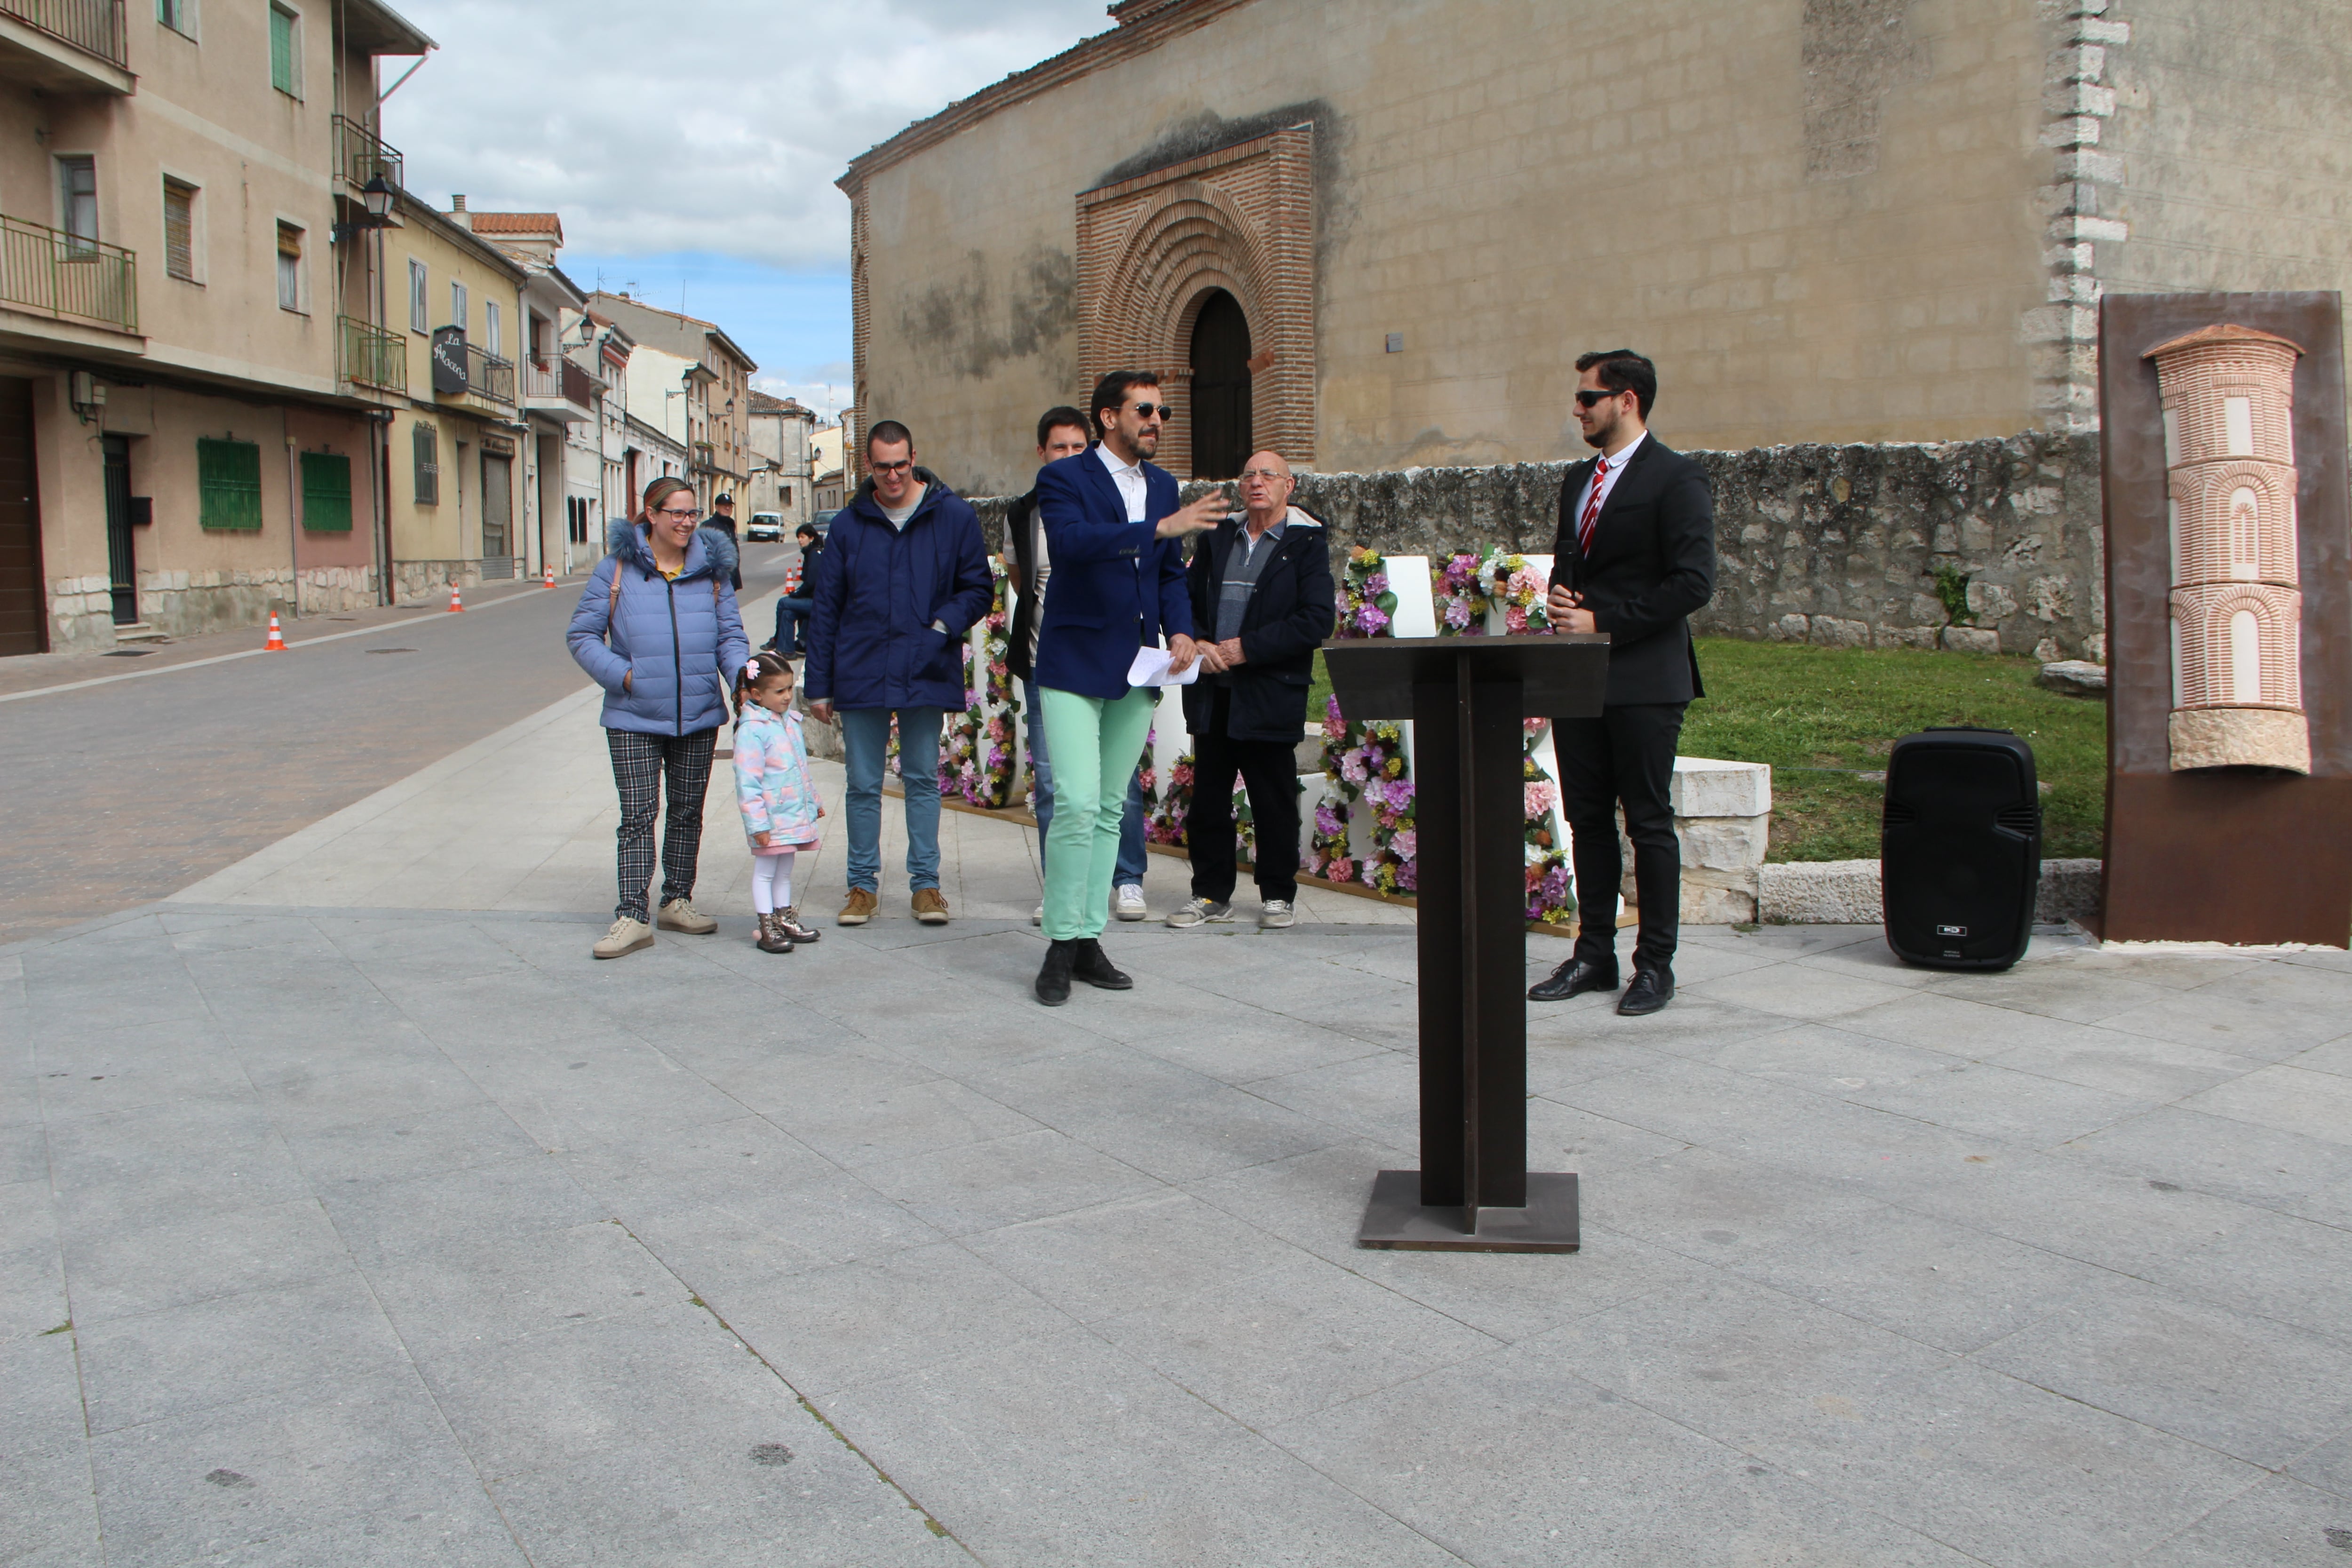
x,y
657,628
792,609
1264,586
903,578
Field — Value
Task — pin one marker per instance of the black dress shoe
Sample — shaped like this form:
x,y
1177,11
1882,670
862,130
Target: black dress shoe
x,y
1054,979
1573,978
1652,989
1094,966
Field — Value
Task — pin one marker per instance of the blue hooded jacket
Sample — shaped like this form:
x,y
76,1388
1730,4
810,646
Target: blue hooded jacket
x,y
871,643
680,642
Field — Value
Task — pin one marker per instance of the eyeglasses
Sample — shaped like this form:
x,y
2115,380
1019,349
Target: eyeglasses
x,y
1268,475
905,467
1587,397
676,511
1154,411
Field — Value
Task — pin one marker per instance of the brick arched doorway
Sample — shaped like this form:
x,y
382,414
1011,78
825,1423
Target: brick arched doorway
x,y
1221,386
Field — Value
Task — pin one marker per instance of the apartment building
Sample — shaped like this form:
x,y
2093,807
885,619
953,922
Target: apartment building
x,y
594,450
183,196
779,432
711,390
456,498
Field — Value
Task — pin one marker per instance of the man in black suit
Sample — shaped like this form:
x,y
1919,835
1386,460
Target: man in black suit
x,y
1634,556
1262,592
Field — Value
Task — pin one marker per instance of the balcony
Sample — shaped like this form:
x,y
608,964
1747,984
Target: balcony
x,y
490,381
372,357
65,45
51,273
559,390
359,154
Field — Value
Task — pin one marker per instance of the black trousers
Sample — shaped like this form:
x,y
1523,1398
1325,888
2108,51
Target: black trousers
x,y
641,766
1625,757
1270,768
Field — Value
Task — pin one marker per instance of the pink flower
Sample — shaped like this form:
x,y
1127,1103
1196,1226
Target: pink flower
x,y
1376,584
1406,843
1515,620
1539,796
1341,869
1457,613
1372,619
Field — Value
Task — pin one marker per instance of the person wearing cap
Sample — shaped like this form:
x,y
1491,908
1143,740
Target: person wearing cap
x,y
723,521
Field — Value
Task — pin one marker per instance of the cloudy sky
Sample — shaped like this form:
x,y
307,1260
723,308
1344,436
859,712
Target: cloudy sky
x,y
692,145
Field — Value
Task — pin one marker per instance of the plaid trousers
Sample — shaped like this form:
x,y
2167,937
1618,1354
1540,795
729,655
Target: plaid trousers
x,y
640,763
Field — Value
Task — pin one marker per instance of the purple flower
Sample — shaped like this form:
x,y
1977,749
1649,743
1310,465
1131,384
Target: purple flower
x,y
1372,618
1327,821
1376,584
1457,613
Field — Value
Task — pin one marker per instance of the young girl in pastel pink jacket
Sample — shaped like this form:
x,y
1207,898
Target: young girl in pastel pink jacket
x,y
780,806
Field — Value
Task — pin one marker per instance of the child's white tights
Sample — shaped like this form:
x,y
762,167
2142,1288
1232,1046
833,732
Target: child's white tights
x,y
771,882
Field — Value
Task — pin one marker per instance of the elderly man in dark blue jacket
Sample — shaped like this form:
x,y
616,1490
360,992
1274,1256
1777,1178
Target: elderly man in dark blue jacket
x,y
903,578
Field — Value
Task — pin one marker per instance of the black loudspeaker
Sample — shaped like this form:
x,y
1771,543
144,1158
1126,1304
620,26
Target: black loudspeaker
x,y
1960,848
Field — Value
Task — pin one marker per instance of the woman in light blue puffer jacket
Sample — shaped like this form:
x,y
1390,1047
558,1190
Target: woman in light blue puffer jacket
x,y
657,628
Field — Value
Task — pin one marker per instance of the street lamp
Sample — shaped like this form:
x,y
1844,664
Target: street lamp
x,y
377,195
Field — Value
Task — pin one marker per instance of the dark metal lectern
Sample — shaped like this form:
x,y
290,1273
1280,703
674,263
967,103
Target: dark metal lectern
x,y
1466,696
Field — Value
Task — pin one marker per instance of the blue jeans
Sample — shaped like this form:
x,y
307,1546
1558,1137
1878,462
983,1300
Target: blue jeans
x,y
866,745
1131,852
790,613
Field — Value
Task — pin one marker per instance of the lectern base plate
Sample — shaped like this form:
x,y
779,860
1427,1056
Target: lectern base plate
x,y
1397,1218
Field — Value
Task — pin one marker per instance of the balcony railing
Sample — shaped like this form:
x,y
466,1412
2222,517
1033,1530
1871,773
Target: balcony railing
x,y
374,357
359,154
53,273
488,377
92,25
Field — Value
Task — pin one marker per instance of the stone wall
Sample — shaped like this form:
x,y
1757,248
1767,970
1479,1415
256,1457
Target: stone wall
x,y
1986,546
189,603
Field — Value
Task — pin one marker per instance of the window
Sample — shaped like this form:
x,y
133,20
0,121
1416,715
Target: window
x,y
180,16
229,484
458,314
420,311
326,493
289,268
427,442
78,197
787,495
285,51
490,327
179,229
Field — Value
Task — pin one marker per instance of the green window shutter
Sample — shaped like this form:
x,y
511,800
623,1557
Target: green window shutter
x,y
229,484
326,493
281,51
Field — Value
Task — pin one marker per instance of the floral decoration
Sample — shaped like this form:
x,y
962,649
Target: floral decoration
x,y
1515,586
1366,600
1459,588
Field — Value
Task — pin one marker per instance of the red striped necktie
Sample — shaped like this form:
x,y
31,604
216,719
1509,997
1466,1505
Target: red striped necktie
x,y
1591,509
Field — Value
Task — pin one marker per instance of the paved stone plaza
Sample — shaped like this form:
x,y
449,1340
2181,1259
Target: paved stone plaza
x,y
356,1217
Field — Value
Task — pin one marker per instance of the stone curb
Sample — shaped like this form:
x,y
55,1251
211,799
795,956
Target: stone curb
x,y
1846,892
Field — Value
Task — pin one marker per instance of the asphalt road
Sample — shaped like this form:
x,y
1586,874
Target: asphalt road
x,y
123,792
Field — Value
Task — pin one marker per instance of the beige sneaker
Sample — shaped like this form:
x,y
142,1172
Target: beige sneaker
x,y
680,915
626,936
860,908
930,907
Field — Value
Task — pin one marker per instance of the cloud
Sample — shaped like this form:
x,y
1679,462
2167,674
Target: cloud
x,y
694,126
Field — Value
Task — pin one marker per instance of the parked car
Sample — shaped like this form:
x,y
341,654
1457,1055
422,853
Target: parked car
x,y
765,525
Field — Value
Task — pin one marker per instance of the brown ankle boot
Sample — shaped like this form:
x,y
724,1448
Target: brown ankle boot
x,y
772,937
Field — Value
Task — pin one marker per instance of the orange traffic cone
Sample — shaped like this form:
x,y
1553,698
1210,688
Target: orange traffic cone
x,y
456,606
551,573
277,642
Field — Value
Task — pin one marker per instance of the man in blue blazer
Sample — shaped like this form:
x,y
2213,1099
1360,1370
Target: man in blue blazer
x,y
1116,533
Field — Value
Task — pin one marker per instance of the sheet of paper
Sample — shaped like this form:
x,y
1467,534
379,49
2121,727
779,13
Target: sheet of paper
x,y
1150,668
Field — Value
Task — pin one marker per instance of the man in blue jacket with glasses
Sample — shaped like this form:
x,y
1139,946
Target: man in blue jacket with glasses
x,y
903,577
1116,535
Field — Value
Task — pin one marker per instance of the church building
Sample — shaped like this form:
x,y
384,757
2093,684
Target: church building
x,y
1375,234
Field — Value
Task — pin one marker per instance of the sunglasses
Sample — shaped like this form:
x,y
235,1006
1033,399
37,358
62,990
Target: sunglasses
x,y
907,466
1153,410
1588,396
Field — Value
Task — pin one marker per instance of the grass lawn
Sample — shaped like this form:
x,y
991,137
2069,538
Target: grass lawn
x,y
1825,718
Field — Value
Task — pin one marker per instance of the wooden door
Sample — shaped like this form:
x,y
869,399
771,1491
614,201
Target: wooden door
x,y
24,598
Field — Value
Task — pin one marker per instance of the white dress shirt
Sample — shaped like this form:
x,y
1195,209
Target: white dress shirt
x,y
1608,481
1128,477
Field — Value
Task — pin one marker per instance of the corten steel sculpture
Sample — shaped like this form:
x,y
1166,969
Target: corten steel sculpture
x,y
2237,610
2229,618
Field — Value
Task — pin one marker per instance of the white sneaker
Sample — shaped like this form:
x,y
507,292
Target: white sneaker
x,y
1276,914
1127,903
626,936
1199,911
1037,916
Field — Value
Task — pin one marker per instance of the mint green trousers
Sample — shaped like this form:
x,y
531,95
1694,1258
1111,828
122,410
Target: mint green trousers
x,y
1091,739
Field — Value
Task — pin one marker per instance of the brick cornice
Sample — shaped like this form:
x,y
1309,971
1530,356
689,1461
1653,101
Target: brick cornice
x,y
1135,35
